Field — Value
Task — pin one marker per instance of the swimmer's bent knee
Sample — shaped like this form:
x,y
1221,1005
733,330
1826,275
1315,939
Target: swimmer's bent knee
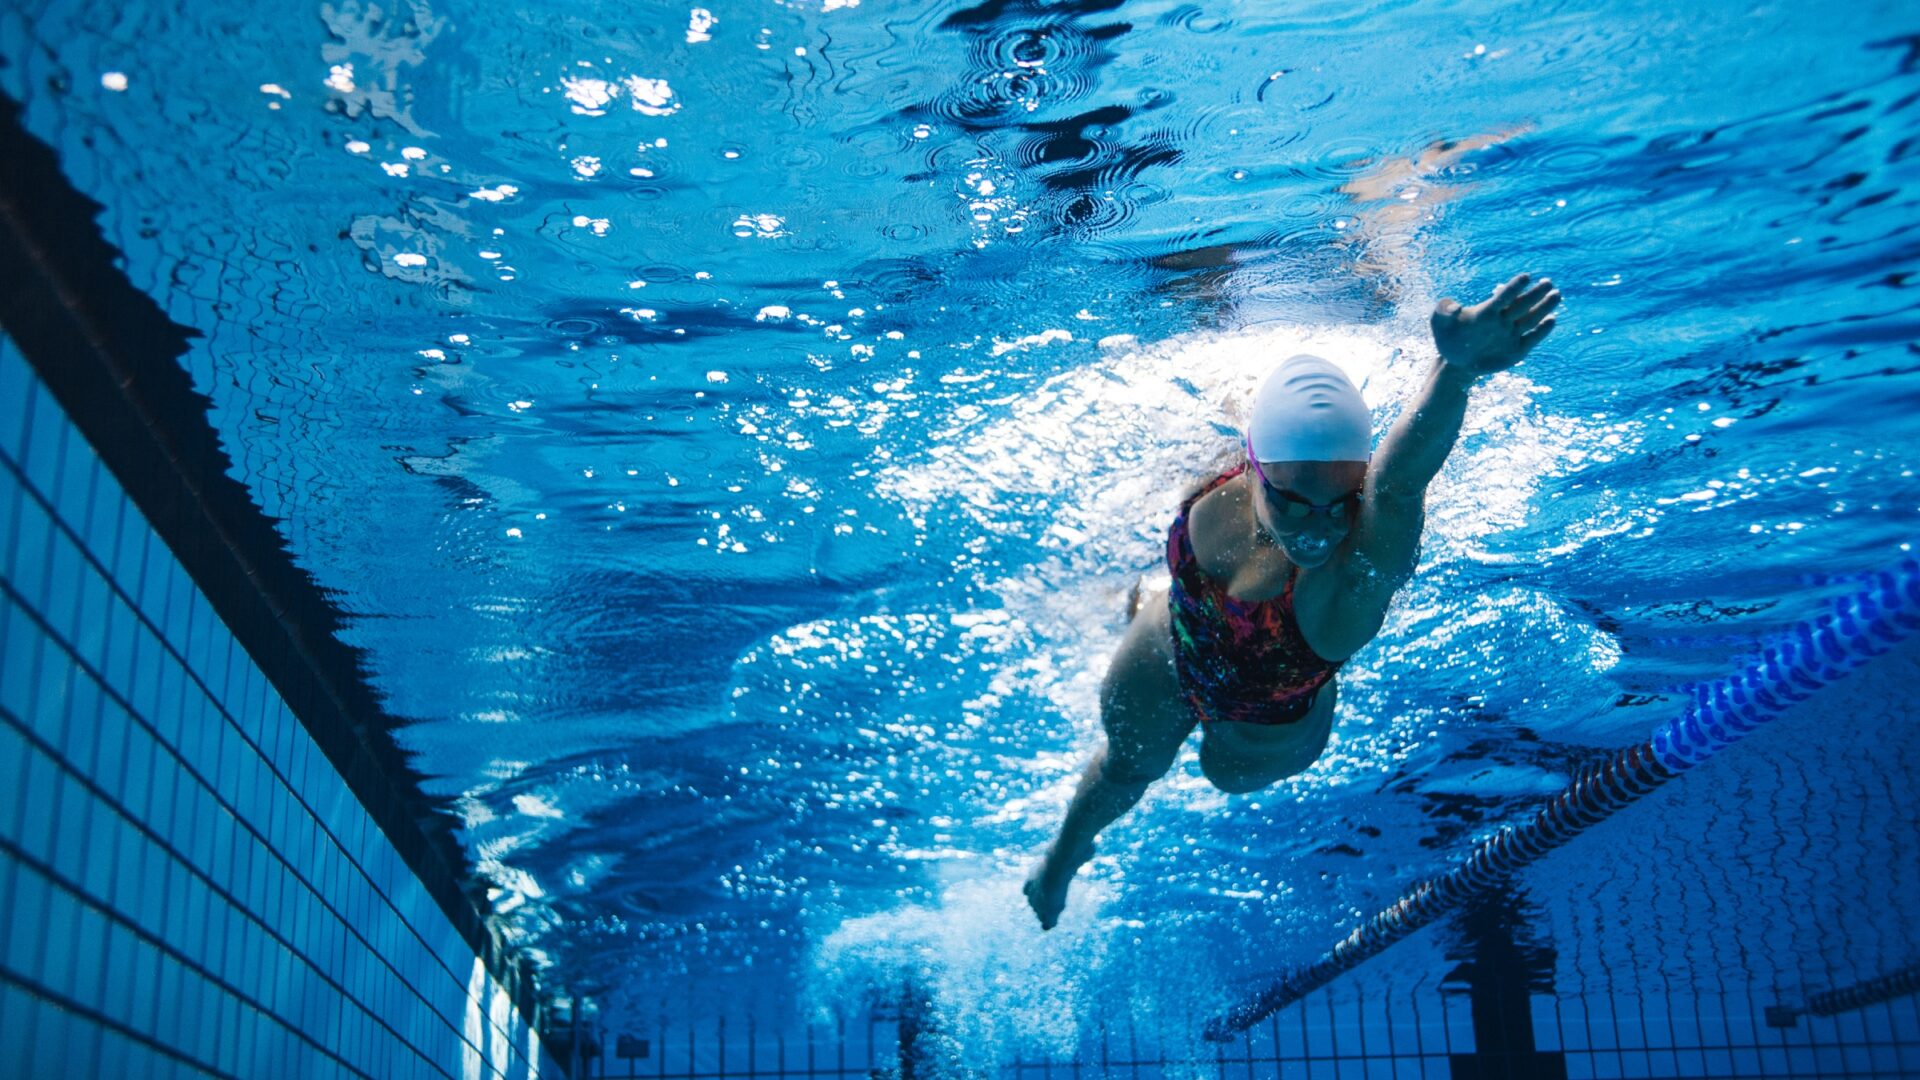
x,y
1131,774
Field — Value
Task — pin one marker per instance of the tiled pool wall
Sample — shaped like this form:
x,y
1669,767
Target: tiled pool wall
x,y
188,885
1345,1033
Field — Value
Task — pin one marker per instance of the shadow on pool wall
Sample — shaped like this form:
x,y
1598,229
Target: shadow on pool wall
x,y
213,857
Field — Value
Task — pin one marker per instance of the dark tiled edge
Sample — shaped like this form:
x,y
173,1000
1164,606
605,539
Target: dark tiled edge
x,y
111,357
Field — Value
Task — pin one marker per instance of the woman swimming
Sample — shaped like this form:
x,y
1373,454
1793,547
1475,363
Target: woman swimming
x,y
1282,567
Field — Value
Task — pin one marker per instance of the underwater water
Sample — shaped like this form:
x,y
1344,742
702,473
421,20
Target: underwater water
x,y
735,431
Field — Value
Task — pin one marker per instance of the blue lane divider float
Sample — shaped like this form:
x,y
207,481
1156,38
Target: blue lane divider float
x,y
1894,984
1813,654
1816,652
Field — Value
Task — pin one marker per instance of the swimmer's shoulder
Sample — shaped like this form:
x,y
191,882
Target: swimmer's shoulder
x,y
1227,456
1217,519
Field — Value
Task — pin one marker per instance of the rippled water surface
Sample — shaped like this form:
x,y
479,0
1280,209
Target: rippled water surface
x,y
736,430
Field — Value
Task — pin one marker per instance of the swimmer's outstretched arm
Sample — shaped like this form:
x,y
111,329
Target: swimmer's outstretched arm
x,y
1473,342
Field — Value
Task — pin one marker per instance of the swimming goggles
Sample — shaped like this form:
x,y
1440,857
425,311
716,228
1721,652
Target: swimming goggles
x,y
1297,508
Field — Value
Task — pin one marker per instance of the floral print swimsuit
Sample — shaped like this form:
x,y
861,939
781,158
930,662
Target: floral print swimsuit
x,y
1237,660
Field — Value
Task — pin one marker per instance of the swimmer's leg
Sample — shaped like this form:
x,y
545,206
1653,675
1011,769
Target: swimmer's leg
x,y
1102,796
1145,723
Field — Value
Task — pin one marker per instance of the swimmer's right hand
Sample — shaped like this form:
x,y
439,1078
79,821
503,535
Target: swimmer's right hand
x,y
1493,335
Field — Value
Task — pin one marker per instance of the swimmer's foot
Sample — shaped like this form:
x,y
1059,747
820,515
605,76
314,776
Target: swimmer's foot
x,y
1046,886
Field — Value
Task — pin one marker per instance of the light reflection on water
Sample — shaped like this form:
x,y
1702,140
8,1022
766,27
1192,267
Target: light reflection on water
x,y
740,431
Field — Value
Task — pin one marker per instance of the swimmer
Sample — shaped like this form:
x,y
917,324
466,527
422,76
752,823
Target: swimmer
x,y
1282,567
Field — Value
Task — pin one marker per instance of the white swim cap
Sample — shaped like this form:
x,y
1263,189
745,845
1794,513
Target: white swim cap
x,y
1308,410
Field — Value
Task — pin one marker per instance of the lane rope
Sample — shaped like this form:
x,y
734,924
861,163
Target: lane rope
x,y
1789,668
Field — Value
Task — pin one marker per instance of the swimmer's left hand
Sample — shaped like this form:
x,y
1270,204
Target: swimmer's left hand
x,y
1493,335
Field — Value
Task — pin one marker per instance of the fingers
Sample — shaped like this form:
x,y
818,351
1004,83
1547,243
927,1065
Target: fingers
x,y
1525,299
1505,294
1531,337
1541,307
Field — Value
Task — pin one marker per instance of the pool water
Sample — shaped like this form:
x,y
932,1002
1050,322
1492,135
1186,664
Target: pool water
x,y
735,431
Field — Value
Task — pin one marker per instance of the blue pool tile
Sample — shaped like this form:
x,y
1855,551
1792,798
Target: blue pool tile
x,y
142,685
88,631
19,661
117,655
73,818
49,704
18,387
135,789
143,980
81,737
1876,1023
105,731
156,566
1740,1028
40,455
1904,1015
178,607
219,667
129,554
64,567
11,494
53,1031
129,869
214,836
233,753
193,641
86,956
119,1056
36,828
32,533
163,783
117,957
58,924
1685,1023
1850,1027
182,1004
1602,1032
1546,1023
74,493
13,771
31,893
102,526
168,710
16,1021
1347,1037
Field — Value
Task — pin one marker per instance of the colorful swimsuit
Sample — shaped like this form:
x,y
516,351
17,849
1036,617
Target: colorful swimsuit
x,y
1237,660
